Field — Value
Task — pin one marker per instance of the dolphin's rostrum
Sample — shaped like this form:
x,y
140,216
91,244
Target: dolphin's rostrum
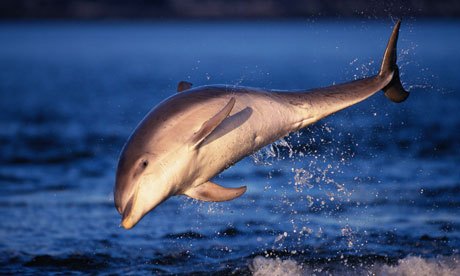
x,y
197,133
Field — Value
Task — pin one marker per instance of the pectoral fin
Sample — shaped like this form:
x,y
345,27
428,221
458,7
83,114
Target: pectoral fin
x,y
210,191
183,85
211,124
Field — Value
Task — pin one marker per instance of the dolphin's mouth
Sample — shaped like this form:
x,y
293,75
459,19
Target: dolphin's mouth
x,y
126,221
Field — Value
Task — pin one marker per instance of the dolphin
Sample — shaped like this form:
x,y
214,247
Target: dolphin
x,y
192,136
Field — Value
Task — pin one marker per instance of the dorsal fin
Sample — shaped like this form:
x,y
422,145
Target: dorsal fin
x,y
210,191
183,85
211,124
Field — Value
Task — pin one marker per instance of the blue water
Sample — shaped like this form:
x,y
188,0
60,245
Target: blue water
x,y
371,190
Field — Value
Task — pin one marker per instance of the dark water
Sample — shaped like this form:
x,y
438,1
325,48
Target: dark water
x,y
372,190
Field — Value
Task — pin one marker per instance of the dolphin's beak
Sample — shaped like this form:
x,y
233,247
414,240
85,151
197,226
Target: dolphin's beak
x,y
127,219
126,201
136,208
128,223
143,199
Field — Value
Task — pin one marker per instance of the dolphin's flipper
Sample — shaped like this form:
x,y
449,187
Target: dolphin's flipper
x,y
211,124
183,85
210,191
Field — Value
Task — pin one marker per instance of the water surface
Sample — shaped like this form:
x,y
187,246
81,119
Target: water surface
x,y
372,189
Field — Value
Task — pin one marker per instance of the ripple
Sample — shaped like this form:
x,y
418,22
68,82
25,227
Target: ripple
x,y
230,232
186,235
72,262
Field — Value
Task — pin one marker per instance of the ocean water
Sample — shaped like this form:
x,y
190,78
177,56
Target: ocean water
x,y
371,190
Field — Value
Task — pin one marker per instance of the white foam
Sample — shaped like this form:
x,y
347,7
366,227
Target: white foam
x,y
409,266
261,266
417,266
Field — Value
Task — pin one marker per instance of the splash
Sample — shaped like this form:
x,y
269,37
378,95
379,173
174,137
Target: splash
x,y
315,159
302,177
261,266
417,266
362,70
409,266
267,155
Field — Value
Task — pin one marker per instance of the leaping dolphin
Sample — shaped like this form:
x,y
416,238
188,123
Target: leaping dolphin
x,y
197,133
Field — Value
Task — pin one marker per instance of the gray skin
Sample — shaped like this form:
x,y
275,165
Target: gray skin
x,y
197,133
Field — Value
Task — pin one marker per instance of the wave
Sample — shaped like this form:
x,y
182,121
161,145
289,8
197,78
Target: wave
x,y
408,266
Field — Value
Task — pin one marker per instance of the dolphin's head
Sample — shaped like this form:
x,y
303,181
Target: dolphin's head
x,y
139,187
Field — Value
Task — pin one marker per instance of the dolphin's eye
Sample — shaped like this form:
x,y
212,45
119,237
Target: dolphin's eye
x,y
144,164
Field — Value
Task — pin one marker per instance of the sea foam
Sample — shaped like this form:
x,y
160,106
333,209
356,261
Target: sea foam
x,y
409,266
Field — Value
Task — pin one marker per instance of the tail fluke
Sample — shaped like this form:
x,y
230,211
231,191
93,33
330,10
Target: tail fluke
x,y
394,90
321,102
